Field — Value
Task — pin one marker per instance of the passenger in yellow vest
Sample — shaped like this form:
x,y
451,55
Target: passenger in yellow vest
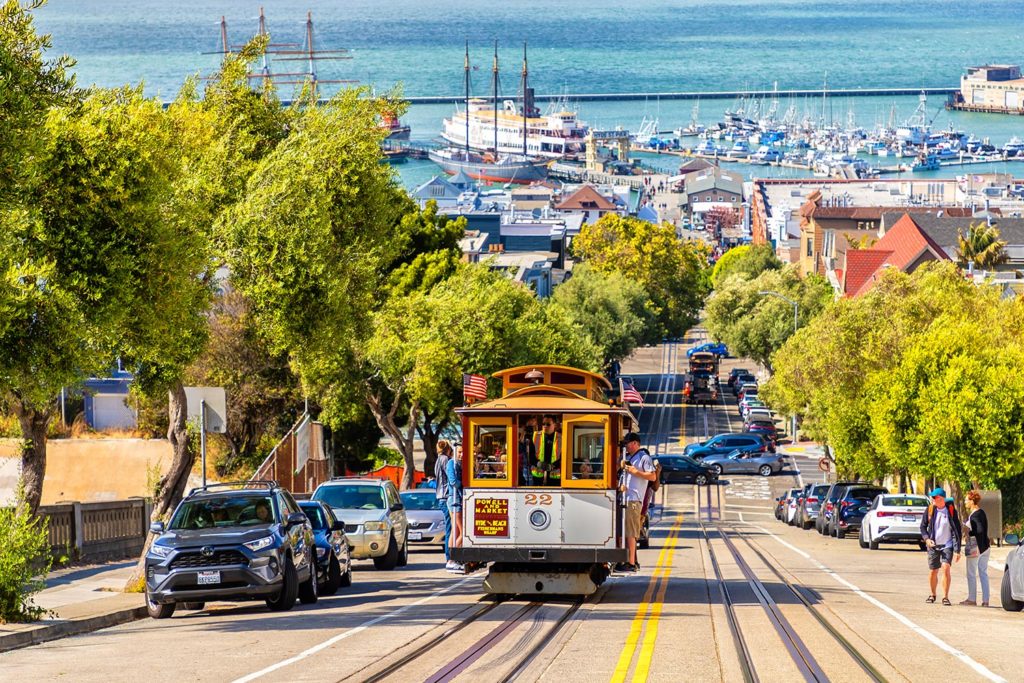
x,y
547,468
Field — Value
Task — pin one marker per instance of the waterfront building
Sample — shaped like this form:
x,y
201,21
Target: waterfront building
x,y
996,88
711,189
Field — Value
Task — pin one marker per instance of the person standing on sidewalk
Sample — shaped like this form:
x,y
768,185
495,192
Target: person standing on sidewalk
x,y
976,547
637,474
453,475
444,454
941,531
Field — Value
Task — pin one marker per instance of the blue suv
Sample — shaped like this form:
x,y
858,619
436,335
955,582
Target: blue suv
x,y
723,444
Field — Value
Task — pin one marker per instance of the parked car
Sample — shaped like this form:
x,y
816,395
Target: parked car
x,y
375,519
750,404
780,504
717,348
828,504
222,543
737,372
333,557
681,469
722,444
765,428
747,390
792,506
896,517
1011,591
758,412
810,505
423,510
850,508
743,462
747,381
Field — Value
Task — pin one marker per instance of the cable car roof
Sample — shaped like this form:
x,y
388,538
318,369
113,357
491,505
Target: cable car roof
x,y
543,398
504,375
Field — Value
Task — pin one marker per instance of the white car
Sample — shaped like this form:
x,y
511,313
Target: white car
x,y
1012,588
758,413
893,517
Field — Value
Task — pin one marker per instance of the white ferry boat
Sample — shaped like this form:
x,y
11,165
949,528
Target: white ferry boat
x,y
556,135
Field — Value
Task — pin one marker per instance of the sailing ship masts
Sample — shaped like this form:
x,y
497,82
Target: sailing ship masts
x,y
466,69
495,99
526,73
224,36
309,43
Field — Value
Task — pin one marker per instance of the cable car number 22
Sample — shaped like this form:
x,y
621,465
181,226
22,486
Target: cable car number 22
x,y
538,499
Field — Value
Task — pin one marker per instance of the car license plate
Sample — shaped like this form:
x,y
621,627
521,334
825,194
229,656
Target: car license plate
x,y
415,536
909,518
209,578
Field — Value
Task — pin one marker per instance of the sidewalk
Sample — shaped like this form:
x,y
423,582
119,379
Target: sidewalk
x,y
82,599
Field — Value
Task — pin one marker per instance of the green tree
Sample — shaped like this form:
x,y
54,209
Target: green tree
x,y
980,245
756,326
747,260
673,272
24,560
609,308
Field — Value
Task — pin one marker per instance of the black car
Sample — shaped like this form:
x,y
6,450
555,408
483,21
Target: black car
x,y
333,558
828,503
679,469
851,507
222,543
722,444
736,372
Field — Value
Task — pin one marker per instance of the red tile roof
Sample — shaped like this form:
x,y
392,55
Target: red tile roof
x,y
900,247
586,199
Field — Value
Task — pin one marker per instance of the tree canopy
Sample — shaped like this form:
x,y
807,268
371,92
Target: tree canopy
x,y
747,260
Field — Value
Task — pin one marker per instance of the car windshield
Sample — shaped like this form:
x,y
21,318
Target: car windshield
x,y
819,491
351,496
420,501
762,423
223,511
864,494
316,516
904,502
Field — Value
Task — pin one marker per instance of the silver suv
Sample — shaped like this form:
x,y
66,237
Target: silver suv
x,y
374,518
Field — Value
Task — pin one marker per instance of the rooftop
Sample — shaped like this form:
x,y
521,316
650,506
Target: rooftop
x,y
587,198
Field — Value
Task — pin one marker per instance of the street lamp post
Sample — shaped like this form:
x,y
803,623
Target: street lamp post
x,y
796,325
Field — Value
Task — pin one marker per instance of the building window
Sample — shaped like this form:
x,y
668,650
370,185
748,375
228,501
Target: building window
x,y
810,246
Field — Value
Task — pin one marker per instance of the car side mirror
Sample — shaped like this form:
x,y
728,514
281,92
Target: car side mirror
x,y
338,526
157,527
295,518
1011,539
397,507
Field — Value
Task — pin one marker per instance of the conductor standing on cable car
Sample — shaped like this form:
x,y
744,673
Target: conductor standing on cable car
x,y
637,473
547,469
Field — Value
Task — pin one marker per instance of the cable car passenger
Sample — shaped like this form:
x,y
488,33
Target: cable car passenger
x,y
547,468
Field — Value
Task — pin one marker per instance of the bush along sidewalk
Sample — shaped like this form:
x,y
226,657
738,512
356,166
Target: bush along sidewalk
x,y
24,562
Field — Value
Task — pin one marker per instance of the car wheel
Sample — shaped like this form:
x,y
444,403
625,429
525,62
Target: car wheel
x,y
309,590
285,599
717,469
807,525
346,578
701,480
765,470
840,533
333,581
1006,595
860,539
403,556
873,545
388,560
158,611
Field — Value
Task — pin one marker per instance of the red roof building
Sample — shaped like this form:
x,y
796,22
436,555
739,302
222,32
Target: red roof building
x,y
905,246
588,202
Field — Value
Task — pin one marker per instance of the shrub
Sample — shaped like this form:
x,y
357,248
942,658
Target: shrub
x,y
24,561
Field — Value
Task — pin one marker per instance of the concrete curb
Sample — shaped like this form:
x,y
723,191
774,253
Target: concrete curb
x,y
70,627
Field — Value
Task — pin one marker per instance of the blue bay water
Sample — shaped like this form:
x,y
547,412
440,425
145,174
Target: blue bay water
x,y
575,46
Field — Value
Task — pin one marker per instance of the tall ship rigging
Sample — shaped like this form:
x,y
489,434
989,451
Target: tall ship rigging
x,y
515,165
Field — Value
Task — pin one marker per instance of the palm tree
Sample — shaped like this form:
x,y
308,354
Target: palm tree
x,y
982,246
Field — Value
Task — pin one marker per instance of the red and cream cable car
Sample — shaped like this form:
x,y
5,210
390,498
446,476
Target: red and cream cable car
x,y
541,526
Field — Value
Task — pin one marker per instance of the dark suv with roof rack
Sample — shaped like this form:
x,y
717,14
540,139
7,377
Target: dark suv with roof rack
x,y
223,543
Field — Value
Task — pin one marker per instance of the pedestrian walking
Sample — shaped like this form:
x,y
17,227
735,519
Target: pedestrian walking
x,y
976,547
453,472
444,454
941,531
637,474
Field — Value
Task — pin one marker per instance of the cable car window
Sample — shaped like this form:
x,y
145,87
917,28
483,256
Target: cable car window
x,y
490,452
588,445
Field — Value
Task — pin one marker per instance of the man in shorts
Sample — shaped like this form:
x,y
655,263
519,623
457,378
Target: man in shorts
x,y
637,474
941,532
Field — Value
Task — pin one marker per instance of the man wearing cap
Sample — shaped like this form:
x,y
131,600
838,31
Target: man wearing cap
x,y
638,473
941,532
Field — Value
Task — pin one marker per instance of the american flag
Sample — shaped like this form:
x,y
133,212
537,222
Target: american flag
x,y
474,386
629,393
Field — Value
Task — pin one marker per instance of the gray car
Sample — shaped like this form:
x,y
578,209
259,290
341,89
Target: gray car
x,y
738,462
426,521
374,516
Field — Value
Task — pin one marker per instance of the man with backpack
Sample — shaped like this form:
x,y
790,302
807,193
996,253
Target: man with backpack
x,y
941,531
637,474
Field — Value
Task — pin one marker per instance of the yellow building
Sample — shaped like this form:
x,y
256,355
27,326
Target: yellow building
x,y
996,88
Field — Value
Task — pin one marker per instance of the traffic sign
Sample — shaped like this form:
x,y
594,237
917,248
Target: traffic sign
x,y
824,464
216,407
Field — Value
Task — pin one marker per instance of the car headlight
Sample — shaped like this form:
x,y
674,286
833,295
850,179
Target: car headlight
x,y
375,526
159,550
259,543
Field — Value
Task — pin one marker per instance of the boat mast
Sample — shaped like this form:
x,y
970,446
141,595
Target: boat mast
x,y
224,36
466,69
495,87
525,100
309,43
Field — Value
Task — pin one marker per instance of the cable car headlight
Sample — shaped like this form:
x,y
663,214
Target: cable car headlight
x,y
539,520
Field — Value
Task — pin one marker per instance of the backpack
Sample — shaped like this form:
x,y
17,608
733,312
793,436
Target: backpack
x,y
656,484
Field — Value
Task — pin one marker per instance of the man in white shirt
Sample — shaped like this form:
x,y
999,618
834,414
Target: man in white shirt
x,y
638,472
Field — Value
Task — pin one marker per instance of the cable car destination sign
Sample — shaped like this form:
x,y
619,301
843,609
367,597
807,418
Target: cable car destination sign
x,y
490,517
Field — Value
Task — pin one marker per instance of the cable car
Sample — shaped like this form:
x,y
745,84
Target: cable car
x,y
543,527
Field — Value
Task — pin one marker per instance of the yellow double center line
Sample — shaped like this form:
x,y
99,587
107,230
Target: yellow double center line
x,y
649,613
